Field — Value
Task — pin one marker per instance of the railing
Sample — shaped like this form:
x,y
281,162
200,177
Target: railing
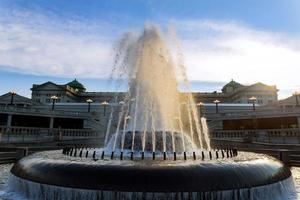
x,y
29,134
44,111
276,136
262,112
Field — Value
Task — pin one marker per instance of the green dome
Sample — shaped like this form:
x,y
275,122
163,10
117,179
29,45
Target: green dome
x,y
76,85
231,86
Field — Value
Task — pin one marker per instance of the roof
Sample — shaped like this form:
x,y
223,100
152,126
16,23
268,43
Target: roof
x,y
289,101
76,85
18,99
263,86
66,87
235,85
36,86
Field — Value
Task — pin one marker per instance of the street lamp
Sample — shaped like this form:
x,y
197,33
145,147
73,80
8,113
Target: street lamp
x,y
54,99
104,104
12,94
89,101
296,94
200,105
253,100
217,105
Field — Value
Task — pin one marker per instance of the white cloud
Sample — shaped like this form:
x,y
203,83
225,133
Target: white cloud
x,y
224,50
43,45
46,44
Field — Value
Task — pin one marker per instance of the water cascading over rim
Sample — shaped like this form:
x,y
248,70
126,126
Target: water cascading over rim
x,y
151,112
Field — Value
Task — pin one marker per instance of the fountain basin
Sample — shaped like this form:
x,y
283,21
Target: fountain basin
x,y
157,177
151,177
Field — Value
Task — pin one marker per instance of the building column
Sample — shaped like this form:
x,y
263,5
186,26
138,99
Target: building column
x,y
8,123
9,119
51,122
298,120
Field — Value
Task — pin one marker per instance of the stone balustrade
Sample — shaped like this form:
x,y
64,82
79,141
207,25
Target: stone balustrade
x,y
27,134
43,112
278,136
258,113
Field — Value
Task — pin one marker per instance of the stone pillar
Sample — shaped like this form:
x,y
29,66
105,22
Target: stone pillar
x,y
298,120
21,152
50,131
9,119
284,156
8,123
51,122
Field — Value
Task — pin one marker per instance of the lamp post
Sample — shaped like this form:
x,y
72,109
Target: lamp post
x,y
104,104
296,94
217,105
200,105
89,101
54,99
12,94
253,100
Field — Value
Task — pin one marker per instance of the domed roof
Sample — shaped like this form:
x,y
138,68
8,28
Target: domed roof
x,y
76,85
231,86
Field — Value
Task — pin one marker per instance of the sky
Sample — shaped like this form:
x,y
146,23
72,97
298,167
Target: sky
x,y
248,41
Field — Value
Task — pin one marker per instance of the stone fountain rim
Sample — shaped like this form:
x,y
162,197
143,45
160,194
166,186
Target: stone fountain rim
x,y
136,178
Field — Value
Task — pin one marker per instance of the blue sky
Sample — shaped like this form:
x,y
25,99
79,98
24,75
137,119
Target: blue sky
x,y
57,40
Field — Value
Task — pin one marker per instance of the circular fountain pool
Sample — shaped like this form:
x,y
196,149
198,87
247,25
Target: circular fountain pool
x,y
246,176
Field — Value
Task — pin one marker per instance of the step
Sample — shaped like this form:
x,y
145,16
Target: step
x,y
6,154
295,163
7,158
295,156
7,161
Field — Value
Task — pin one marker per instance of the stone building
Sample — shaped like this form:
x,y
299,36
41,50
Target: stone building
x,y
70,92
289,103
232,92
14,99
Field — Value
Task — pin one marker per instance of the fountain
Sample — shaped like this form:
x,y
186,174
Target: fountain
x,y
156,145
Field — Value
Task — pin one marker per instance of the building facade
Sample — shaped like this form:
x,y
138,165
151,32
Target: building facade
x,y
72,92
265,94
69,92
233,92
